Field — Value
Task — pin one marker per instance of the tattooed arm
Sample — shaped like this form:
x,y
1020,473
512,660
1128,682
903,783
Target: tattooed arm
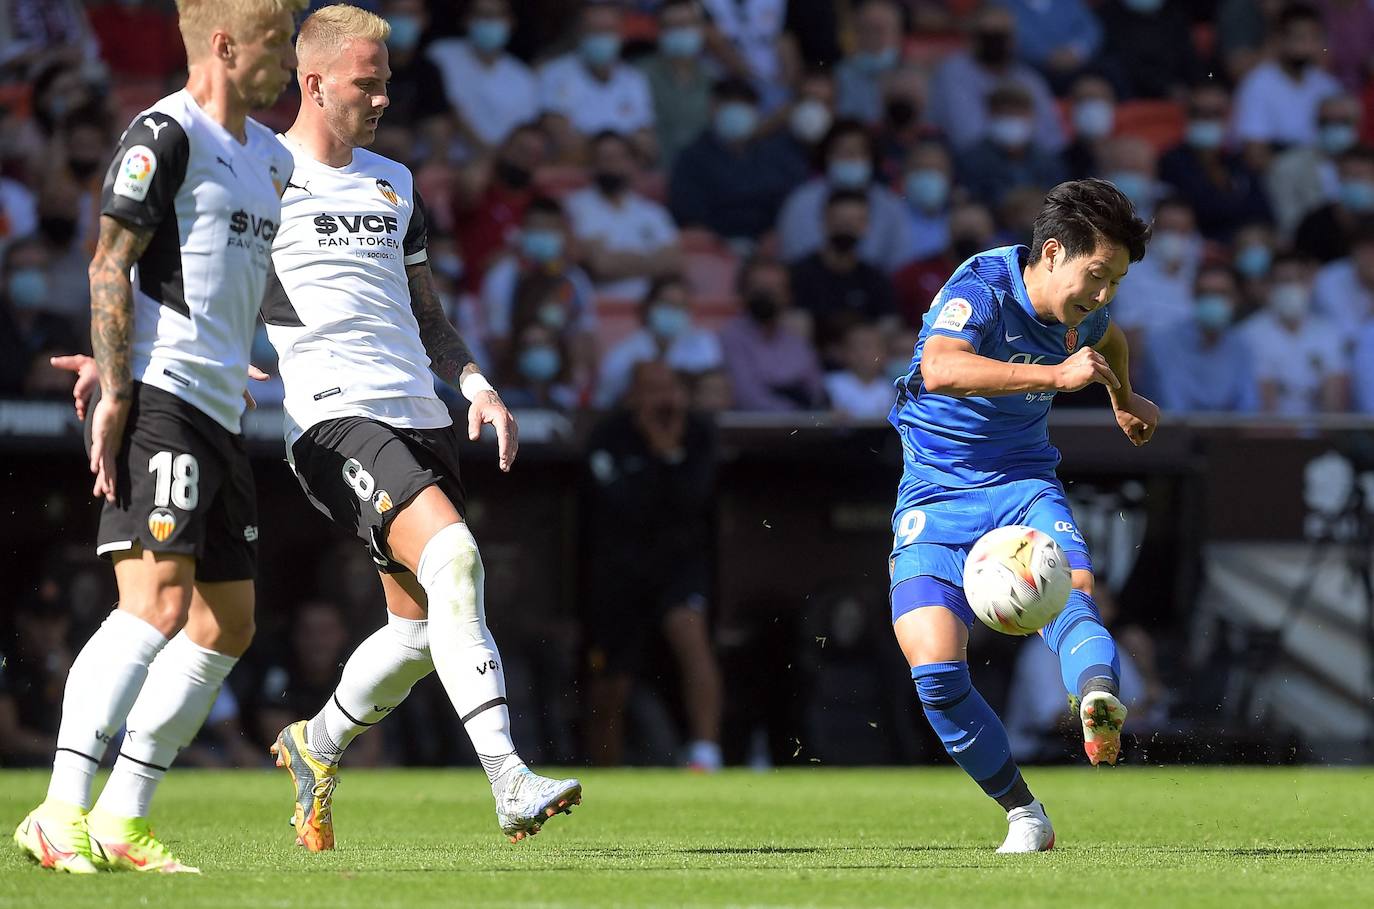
x,y
112,323
452,361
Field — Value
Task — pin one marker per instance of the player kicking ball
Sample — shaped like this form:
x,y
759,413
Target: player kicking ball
x,y
188,210
1010,329
352,310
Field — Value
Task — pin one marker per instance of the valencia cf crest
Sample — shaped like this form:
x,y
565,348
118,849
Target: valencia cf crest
x,y
161,524
388,191
1071,340
381,502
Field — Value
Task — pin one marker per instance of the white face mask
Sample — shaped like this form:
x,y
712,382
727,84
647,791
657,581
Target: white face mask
x,y
1094,118
1010,132
1289,301
809,120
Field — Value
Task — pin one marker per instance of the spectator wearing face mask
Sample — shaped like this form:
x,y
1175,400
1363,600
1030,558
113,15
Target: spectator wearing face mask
x,y
1006,159
490,199
971,230
833,284
878,35
1300,357
1132,166
926,184
1252,256
1326,232
537,282
1305,178
27,324
536,371
903,123
1276,102
847,153
1203,363
490,91
731,180
1093,116
1344,289
1158,290
811,114
679,78
593,89
861,387
962,83
1057,37
668,334
415,95
1150,46
771,367
626,239
1221,187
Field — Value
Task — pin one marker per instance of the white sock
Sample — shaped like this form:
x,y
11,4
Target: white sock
x,y
102,684
182,684
376,679
460,643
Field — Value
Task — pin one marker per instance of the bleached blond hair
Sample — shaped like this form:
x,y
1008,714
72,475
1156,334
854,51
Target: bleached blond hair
x,y
198,19
325,31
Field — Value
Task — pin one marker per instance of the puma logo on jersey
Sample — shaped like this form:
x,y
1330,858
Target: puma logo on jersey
x,y
155,127
220,160
301,186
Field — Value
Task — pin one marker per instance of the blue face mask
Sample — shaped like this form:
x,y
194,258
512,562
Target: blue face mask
x,y
849,173
1206,134
541,245
1337,137
1144,7
681,42
1094,118
405,31
1137,187
1213,311
669,321
539,363
874,62
600,48
1358,195
927,189
1253,261
27,289
736,121
489,34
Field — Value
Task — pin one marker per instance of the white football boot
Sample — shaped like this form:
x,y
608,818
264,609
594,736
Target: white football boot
x,y
1028,830
527,800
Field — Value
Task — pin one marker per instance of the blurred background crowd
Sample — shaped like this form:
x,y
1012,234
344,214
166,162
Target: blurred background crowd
x,y
767,194
670,209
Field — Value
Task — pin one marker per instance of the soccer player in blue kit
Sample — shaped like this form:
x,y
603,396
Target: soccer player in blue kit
x,y
1011,328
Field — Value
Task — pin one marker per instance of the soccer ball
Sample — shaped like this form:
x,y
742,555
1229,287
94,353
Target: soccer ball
x,y
1016,579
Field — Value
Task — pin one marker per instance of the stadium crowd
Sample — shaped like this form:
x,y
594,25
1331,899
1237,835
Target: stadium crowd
x,y
767,195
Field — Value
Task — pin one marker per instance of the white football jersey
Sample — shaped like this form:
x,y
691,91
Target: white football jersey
x,y
213,205
338,303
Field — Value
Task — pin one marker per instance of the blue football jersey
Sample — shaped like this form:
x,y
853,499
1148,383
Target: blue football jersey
x,y
972,442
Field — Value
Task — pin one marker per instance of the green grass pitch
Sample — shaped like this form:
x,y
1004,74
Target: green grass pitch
x,y
1130,837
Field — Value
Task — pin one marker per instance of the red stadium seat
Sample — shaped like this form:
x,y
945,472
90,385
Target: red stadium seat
x,y
1161,123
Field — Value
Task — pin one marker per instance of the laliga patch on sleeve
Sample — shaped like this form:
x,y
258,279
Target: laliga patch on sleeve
x,y
954,315
136,173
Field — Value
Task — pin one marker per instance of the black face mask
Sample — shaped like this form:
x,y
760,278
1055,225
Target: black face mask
x,y
59,231
763,306
1295,61
901,113
844,242
82,170
513,175
993,48
610,184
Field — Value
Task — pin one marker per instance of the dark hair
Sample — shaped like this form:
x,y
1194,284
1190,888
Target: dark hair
x,y
1363,234
610,134
1082,213
1298,12
844,126
1218,268
1356,153
1009,94
657,286
666,5
752,264
544,205
733,88
841,196
1291,257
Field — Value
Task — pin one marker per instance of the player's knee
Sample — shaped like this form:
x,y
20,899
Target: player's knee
x,y
166,608
450,570
942,684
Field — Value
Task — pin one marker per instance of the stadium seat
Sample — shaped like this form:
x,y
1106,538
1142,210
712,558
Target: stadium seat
x,y
558,180
17,99
708,264
1161,123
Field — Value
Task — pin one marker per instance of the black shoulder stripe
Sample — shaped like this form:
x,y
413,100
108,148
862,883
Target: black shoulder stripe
x,y
276,305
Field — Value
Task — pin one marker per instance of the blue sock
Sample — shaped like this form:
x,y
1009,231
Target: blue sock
x,y
972,734
1085,648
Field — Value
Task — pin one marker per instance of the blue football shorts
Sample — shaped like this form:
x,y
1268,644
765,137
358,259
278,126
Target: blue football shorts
x,y
934,527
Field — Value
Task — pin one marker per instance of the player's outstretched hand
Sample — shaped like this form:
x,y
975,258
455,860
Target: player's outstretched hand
x,y
257,375
87,379
488,408
1084,368
107,434
1138,419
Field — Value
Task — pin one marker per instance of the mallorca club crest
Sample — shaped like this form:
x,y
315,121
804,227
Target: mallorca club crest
x,y
388,191
161,524
1071,340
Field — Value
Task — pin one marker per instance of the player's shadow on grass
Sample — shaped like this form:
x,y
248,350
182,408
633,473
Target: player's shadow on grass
x,y
1241,851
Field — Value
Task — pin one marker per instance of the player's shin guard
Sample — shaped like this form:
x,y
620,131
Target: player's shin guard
x,y
102,685
182,684
972,734
1087,654
376,679
465,656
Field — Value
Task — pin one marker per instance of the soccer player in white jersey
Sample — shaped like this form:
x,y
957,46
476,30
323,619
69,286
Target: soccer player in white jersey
x,y
356,320
188,212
